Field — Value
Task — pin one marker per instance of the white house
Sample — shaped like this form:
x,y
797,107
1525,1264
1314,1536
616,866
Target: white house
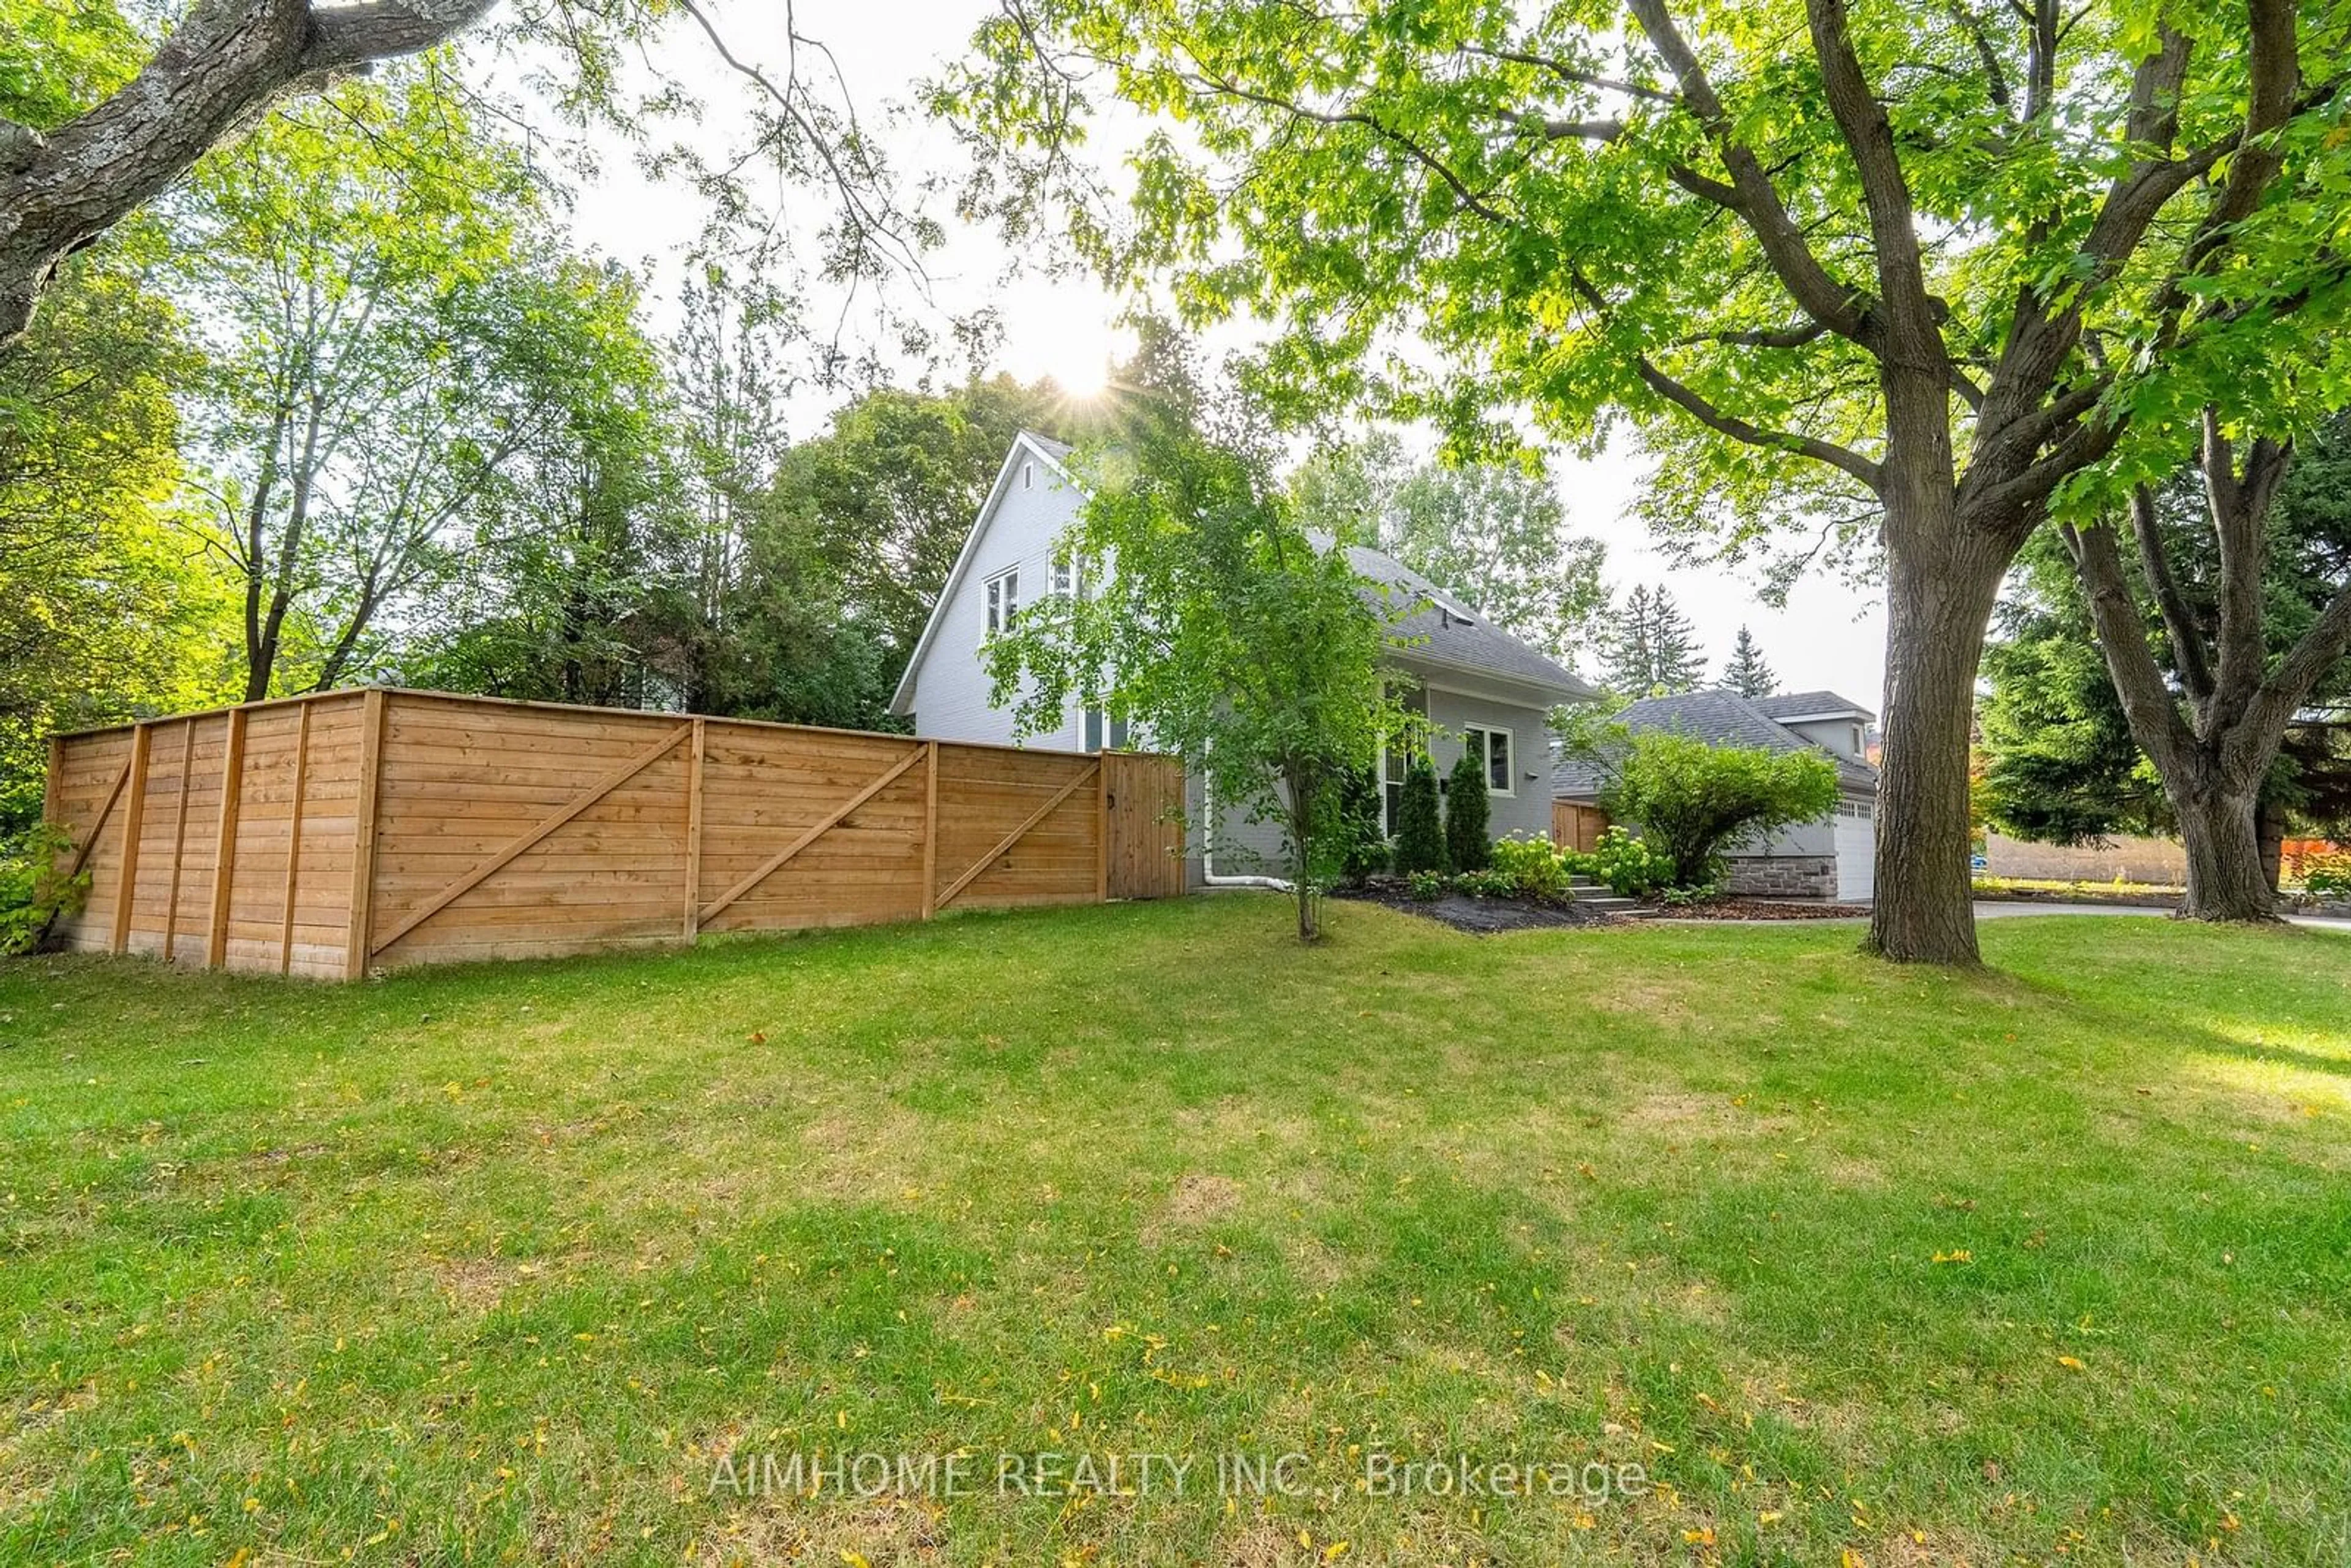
x,y
1832,858
1480,688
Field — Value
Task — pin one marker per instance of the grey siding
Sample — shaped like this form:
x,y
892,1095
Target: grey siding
x,y
950,699
1243,848
1526,811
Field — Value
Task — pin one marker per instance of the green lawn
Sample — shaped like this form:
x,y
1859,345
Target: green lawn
x,y
493,1264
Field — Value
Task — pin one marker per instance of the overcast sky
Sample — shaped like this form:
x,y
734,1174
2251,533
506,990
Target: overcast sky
x,y
1829,636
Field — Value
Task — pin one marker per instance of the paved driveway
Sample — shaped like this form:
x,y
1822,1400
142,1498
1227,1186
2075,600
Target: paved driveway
x,y
2006,909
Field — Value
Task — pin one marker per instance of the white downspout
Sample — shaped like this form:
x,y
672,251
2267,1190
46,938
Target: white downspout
x,y
1208,877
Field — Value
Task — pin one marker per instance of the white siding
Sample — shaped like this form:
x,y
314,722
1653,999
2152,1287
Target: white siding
x,y
950,696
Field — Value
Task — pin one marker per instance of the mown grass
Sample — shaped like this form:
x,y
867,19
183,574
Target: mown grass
x,y
493,1264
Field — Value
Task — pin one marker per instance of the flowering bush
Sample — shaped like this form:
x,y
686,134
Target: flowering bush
x,y
1629,866
1538,870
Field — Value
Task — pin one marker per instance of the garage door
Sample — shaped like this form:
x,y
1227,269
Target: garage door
x,y
1856,852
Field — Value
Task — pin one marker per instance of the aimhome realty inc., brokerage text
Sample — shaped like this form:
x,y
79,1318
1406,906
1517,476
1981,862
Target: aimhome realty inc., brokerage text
x,y
1056,1473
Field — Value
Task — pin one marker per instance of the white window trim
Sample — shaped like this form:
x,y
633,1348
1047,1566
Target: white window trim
x,y
999,601
1486,756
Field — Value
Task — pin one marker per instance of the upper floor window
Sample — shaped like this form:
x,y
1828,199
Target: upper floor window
x,y
1105,731
1860,741
1027,475
1065,578
1492,747
1003,600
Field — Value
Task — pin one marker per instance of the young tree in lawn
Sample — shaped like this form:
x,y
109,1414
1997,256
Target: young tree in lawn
x,y
1696,801
2214,728
1468,845
1221,632
1898,271
1419,829
1746,673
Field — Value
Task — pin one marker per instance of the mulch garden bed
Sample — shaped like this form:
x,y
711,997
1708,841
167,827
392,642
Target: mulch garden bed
x,y
1479,915
1760,909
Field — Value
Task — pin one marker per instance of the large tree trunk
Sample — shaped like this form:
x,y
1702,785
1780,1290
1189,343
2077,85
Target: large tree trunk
x,y
1938,602
2219,828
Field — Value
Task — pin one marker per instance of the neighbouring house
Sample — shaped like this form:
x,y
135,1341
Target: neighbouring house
x,y
1480,688
1832,858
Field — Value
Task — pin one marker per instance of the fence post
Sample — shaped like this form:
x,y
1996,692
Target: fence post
x,y
53,783
179,837
293,835
930,829
231,802
363,915
694,834
1102,829
134,823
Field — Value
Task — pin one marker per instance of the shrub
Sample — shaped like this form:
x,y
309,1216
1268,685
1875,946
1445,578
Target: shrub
x,y
1629,865
1695,800
1419,836
1539,870
32,893
2327,876
1487,883
1362,849
1427,886
1466,839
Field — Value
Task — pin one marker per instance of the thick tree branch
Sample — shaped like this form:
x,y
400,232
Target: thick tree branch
x,y
2187,642
1844,310
224,63
1690,402
2156,721
2240,504
2323,646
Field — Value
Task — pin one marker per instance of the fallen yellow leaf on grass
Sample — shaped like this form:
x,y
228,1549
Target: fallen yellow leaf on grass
x,y
2073,1361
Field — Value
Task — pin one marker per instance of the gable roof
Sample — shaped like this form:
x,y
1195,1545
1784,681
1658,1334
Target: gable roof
x,y
1718,717
1447,634
1054,453
1811,704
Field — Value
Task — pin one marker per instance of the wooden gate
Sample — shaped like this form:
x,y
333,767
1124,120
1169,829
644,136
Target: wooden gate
x,y
1576,827
1142,812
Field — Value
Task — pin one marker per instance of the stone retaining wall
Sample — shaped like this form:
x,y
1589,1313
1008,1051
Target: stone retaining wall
x,y
1782,876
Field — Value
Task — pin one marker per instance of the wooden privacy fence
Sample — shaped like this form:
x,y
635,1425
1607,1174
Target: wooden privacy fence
x,y
331,834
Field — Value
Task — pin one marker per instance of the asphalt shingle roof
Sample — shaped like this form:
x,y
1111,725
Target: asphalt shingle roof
x,y
1722,718
1793,704
1444,631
